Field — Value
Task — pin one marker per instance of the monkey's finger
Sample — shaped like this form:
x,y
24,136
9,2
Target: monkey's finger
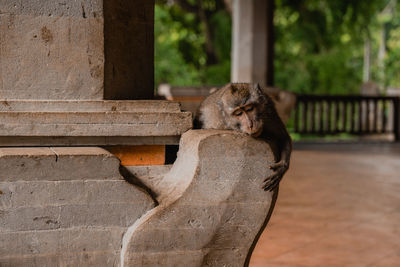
x,y
269,181
271,186
266,183
276,165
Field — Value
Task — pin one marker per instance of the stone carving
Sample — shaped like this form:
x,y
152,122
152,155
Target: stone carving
x,y
69,206
212,207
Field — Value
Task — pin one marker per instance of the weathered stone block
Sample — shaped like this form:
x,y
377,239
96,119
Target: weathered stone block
x,y
65,206
212,205
57,164
68,216
74,240
89,106
51,49
25,194
49,123
150,176
166,258
79,259
70,49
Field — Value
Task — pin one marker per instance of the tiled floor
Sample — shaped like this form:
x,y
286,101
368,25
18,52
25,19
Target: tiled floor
x,y
338,205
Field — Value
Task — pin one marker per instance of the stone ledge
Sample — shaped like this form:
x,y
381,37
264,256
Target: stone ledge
x,y
90,105
55,122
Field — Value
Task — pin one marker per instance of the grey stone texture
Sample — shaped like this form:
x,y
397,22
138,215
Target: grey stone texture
x,y
150,176
70,206
65,206
51,49
212,205
99,122
68,49
57,164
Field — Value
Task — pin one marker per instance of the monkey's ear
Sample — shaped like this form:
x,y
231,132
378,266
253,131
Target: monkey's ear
x,y
258,89
232,88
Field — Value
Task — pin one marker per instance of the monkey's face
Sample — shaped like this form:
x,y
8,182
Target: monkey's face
x,y
245,119
242,108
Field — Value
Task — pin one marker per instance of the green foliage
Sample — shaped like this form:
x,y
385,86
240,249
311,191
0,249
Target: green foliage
x,y
319,44
180,57
171,37
392,60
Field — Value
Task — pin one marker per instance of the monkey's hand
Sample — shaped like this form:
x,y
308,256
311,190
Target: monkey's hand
x,y
272,182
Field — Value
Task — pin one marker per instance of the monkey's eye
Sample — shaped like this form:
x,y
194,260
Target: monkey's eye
x,y
238,113
249,108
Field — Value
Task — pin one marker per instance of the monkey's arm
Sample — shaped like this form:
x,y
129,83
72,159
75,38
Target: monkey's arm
x,y
275,131
279,167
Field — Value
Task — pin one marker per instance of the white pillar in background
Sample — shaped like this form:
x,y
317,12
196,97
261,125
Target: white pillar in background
x,y
249,41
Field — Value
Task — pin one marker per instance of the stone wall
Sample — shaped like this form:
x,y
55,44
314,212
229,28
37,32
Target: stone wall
x,y
64,207
70,206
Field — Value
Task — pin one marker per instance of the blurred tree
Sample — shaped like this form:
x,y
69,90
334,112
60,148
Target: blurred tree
x,y
319,44
198,35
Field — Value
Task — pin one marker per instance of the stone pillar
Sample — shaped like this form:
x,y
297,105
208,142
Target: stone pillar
x,y
129,49
96,54
252,54
89,49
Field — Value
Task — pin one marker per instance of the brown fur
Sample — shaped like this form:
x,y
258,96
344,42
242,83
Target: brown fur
x,y
246,108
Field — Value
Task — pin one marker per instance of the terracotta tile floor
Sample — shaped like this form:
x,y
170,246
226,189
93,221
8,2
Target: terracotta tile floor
x,y
338,205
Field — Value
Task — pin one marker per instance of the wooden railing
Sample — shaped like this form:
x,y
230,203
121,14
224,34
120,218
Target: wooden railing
x,y
357,115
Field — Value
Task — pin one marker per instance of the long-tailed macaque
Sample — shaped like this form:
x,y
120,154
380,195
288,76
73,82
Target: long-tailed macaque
x,y
246,108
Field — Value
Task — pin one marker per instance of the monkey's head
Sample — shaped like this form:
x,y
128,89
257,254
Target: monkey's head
x,y
242,105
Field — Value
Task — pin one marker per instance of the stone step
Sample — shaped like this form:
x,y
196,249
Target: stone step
x,y
57,164
94,123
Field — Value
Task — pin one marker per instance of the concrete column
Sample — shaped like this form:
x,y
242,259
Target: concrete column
x,y
252,54
129,49
94,53
89,49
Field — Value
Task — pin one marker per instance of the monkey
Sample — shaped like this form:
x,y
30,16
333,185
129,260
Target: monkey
x,y
244,107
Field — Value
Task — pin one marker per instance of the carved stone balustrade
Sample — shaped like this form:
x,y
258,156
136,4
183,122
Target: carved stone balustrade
x,y
71,206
